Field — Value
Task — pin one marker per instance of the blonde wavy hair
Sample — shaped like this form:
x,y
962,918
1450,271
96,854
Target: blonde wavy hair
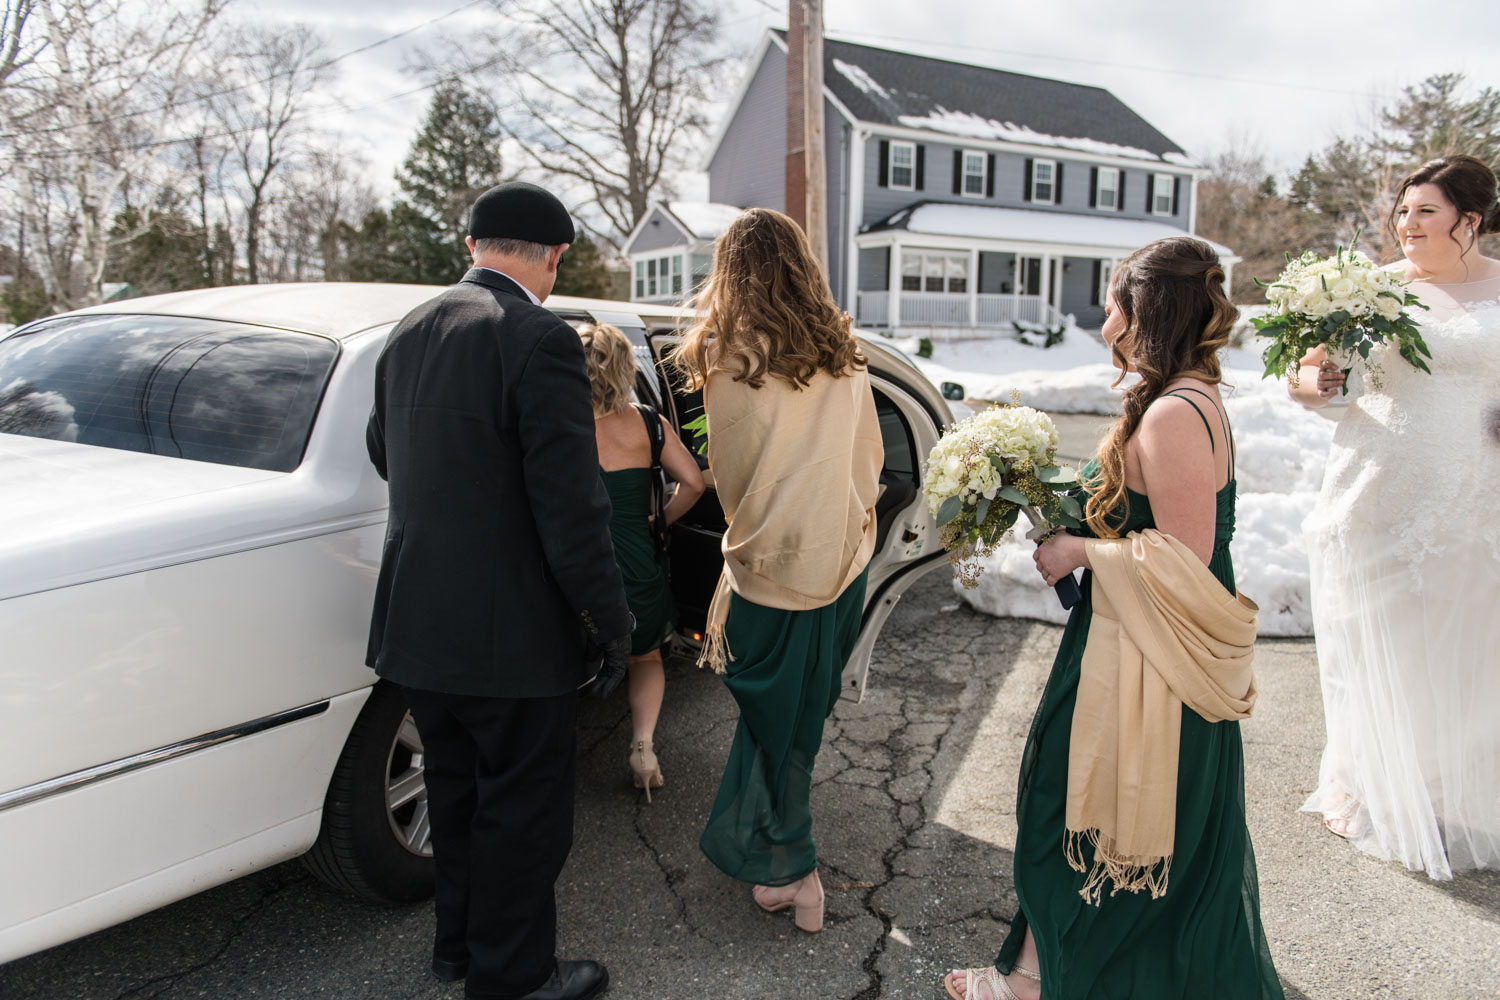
x,y
767,310
610,361
1171,295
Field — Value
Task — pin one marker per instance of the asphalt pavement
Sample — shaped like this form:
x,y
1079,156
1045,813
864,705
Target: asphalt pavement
x,y
914,816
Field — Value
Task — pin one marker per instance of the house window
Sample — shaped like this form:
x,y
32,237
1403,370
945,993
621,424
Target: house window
x,y
975,166
903,165
1107,188
1044,181
1101,292
1161,194
934,271
658,276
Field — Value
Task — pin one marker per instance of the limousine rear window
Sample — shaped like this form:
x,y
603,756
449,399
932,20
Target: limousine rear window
x,y
190,388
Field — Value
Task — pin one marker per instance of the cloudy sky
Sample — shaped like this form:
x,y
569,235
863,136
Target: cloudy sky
x,y
1285,75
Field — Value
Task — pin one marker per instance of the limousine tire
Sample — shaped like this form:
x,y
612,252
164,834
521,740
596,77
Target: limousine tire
x,y
374,842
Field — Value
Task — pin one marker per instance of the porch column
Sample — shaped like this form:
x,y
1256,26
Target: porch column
x,y
1046,287
893,287
974,289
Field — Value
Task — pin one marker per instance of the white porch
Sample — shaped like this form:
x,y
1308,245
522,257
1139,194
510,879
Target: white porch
x,y
945,309
956,271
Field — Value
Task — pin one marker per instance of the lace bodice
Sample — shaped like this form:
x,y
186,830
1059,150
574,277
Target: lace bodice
x,y
1414,456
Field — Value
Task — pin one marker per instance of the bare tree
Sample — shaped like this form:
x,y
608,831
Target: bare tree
x,y
607,94
97,97
1241,206
275,75
18,46
326,193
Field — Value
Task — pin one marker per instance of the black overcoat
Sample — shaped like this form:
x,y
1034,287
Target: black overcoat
x,y
497,564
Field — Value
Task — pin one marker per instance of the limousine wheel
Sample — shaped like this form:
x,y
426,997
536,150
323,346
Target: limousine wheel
x,y
376,837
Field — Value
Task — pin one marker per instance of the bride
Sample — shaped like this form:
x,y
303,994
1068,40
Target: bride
x,y
1405,554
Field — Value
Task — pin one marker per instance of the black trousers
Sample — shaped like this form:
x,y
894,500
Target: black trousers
x,y
500,796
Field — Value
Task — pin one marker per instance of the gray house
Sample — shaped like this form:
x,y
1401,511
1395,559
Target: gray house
x,y
960,198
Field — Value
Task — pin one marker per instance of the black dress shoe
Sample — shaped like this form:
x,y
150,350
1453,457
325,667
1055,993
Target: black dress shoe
x,y
572,981
449,972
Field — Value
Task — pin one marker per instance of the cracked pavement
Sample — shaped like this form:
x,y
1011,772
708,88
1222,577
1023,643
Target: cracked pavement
x,y
913,807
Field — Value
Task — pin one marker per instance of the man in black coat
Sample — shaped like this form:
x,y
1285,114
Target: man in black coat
x,y
497,583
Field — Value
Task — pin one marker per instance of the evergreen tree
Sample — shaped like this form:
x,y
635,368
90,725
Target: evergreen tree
x,y
583,271
455,157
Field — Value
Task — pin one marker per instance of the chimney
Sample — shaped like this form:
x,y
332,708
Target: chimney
x,y
796,164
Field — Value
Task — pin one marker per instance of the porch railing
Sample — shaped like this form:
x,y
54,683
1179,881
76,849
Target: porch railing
x,y
946,309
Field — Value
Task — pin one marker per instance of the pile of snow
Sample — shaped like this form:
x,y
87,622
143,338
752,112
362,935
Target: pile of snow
x,y
1281,451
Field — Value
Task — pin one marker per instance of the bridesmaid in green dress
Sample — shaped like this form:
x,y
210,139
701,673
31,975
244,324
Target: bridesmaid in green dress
x,y
625,465
1167,464
795,451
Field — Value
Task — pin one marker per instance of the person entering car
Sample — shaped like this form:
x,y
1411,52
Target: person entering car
x,y
634,441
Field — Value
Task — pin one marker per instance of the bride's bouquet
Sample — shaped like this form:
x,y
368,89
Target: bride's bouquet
x,y
985,472
1342,303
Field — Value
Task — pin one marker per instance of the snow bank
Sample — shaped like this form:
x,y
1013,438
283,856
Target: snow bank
x,y
1281,450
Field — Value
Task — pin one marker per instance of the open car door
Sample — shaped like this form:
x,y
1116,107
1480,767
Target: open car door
x,y
911,415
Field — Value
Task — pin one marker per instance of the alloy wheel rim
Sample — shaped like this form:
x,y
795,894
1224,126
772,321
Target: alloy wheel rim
x,y
406,790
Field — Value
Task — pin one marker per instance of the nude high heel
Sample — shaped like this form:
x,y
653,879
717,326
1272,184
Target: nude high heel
x,y
809,904
645,767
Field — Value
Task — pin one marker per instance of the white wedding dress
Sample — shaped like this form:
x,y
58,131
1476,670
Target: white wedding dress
x,y
1405,555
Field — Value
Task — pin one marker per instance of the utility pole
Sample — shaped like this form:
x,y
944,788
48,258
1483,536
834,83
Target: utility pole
x,y
814,159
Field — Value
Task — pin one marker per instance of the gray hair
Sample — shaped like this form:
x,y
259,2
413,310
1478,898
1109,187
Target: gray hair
x,y
523,250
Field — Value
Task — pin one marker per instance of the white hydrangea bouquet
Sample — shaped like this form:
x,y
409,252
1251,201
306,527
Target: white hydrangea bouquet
x,y
1343,303
985,472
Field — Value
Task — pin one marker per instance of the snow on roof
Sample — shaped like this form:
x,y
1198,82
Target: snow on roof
x,y
971,126
857,76
1031,226
704,219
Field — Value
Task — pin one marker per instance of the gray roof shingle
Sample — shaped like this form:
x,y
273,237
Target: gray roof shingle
x,y
886,87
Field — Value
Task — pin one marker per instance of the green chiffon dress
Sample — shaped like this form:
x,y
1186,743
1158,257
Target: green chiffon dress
x,y
1203,938
647,588
786,674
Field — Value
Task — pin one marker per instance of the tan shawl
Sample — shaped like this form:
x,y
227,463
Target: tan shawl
x,y
1165,633
797,472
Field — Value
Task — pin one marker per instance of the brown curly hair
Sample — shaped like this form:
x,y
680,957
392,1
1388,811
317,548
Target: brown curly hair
x,y
1177,317
610,361
766,309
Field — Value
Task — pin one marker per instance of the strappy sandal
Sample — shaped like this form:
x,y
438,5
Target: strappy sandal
x,y
1349,818
989,976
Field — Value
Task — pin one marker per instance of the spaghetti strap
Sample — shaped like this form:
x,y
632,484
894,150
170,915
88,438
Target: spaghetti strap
x,y
1223,421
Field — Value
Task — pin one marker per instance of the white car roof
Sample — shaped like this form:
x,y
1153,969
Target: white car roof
x,y
331,308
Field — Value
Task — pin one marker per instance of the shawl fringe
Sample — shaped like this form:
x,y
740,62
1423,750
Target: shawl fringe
x,y
1128,873
715,652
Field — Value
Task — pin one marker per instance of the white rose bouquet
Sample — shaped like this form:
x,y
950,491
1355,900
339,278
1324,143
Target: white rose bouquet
x,y
985,472
1343,303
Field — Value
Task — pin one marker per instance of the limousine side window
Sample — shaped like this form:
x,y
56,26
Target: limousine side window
x,y
194,389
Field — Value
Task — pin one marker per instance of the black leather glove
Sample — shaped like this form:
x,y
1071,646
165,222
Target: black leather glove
x,y
613,668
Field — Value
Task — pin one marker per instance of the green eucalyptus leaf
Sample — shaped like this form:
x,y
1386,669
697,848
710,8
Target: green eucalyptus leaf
x,y
949,510
1013,495
1070,505
998,464
980,510
1057,475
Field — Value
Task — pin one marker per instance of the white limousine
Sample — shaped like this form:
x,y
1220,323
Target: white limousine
x,y
189,537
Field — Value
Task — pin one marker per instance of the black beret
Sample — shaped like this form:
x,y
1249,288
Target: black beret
x,y
520,211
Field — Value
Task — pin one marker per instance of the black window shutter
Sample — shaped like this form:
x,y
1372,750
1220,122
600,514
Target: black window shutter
x,y
1120,192
958,171
921,168
1150,192
1094,291
1176,193
1057,184
885,162
1094,192
989,180
1028,179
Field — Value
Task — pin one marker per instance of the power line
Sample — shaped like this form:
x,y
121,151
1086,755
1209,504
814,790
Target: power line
x,y
252,83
